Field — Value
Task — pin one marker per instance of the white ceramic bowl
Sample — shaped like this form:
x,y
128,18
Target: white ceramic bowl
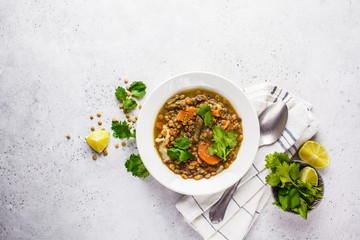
x,y
145,135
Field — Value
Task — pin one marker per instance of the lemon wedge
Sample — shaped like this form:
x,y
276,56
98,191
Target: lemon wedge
x,y
309,175
98,140
314,153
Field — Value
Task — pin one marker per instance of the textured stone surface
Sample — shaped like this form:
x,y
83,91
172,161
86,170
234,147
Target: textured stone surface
x,y
60,62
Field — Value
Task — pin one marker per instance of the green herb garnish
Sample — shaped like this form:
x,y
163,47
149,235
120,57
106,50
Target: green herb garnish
x,y
135,165
204,111
223,142
179,152
129,103
293,194
180,155
182,143
121,130
137,89
120,93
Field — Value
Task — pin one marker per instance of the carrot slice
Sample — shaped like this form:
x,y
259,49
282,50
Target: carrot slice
x,y
203,152
159,125
226,125
185,115
215,112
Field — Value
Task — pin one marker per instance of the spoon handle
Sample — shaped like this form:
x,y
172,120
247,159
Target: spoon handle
x,y
217,212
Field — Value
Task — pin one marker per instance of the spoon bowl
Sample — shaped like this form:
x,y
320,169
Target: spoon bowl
x,y
272,123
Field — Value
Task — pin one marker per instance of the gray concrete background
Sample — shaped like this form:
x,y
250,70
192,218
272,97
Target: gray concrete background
x,y
60,62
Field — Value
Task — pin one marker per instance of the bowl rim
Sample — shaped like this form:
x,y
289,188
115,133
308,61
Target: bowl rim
x,y
194,187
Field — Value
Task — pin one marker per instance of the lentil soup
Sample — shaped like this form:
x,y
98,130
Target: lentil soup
x,y
197,133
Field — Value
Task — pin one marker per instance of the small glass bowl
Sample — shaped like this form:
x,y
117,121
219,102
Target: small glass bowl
x,y
317,201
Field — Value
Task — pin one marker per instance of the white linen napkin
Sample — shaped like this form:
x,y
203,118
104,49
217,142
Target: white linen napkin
x,y
253,192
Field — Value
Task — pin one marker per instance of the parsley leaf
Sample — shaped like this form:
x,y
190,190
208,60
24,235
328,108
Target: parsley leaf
x,y
136,166
180,155
182,143
121,130
223,141
120,93
137,89
129,103
204,111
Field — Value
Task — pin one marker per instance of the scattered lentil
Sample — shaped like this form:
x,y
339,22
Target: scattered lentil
x,y
123,143
128,115
94,157
92,128
98,114
114,119
127,87
120,106
99,122
68,136
128,93
91,117
130,126
117,145
129,119
126,80
140,106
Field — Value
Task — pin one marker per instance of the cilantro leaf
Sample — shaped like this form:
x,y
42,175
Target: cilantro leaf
x,y
272,179
136,166
137,89
294,198
174,153
129,103
295,171
272,160
208,119
120,93
283,201
121,130
231,139
204,111
185,155
303,208
180,155
223,141
182,143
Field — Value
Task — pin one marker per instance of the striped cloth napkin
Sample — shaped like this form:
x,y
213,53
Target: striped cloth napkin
x,y
253,192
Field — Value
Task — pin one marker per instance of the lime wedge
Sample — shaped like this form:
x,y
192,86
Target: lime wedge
x,y
315,154
98,140
309,175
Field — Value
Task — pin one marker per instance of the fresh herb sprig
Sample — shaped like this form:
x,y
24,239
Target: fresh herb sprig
x,y
121,130
179,151
204,111
293,194
136,89
223,142
135,165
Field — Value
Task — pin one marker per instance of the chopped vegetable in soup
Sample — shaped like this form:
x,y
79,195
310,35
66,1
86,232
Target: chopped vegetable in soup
x,y
197,133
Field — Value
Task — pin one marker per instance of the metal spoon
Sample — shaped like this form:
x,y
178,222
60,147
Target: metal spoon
x,y
272,123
